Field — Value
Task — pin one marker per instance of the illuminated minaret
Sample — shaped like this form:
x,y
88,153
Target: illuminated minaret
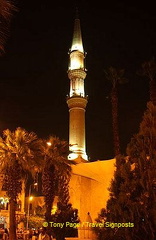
x,y
77,100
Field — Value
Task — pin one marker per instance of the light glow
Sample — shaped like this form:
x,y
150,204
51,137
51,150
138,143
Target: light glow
x,y
49,144
31,198
77,87
77,47
4,200
54,209
76,64
73,156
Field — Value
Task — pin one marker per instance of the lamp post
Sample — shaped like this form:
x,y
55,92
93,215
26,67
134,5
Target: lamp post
x,y
30,198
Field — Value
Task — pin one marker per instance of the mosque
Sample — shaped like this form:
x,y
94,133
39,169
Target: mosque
x,y
90,180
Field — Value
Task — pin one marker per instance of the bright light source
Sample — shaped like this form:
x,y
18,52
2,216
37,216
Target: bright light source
x,y
31,198
77,47
4,200
49,143
54,209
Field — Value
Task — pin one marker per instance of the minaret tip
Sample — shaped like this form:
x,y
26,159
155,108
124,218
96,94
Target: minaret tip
x,y
77,44
77,13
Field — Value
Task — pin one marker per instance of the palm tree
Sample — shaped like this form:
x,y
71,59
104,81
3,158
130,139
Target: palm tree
x,y
115,77
56,172
6,12
20,153
149,70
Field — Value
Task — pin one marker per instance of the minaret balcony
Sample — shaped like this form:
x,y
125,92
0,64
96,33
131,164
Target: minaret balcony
x,y
77,102
77,73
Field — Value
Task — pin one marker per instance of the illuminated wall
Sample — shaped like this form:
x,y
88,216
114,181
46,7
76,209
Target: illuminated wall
x,y
89,189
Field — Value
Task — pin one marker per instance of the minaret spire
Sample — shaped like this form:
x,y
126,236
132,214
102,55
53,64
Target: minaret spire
x,y
77,38
77,13
77,100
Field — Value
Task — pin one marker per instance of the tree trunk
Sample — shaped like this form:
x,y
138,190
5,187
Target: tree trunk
x,y
114,100
63,192
48,217
48,189
48,212
12,213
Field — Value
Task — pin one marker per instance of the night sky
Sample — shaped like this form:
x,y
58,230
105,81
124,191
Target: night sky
x,y
33,70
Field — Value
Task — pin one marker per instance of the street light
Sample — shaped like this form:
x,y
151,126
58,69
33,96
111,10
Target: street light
x,y
30,198
49,144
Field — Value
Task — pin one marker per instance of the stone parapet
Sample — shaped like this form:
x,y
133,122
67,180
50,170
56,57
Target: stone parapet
x,y
76,73
77,102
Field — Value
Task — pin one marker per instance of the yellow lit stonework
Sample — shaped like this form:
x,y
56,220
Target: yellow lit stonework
x,y
77,47
77,39
77,100
77,77
76,60
77,127
89,190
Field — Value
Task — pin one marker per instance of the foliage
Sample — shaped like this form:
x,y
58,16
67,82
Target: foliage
x,y
20,153
65,214
133,190
40,211
20,148
7,8
35,221
116,77
56,171
148,70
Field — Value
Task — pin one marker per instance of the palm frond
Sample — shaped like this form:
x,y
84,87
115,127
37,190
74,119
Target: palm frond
x,y
22,147
7,8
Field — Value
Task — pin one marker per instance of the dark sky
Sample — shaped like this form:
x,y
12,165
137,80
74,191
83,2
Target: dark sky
x,y
33,71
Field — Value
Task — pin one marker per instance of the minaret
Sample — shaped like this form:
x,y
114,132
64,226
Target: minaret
x,y
77,99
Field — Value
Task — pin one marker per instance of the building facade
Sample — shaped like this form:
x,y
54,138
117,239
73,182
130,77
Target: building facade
x,y
4,206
